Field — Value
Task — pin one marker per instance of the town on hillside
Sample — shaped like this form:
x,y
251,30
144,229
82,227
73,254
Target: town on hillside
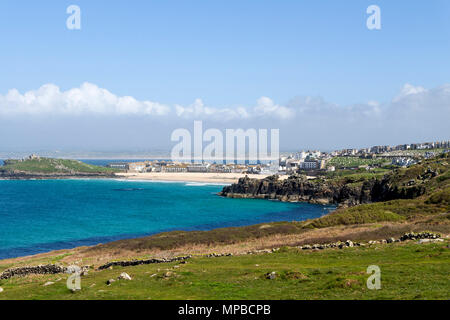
x,y
310,162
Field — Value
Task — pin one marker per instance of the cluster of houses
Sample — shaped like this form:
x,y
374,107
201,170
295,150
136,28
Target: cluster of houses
x,y
376,150
304,160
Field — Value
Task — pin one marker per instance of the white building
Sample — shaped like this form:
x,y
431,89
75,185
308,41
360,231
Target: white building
x,y
309,165
198,167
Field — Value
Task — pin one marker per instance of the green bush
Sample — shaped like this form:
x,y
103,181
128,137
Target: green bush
x,y
357,215
441,197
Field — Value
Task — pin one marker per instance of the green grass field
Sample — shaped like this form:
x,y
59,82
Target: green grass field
x,y
351,162
408,271
357,174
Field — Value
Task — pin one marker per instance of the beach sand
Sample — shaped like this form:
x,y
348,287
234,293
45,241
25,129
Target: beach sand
x,y
210,177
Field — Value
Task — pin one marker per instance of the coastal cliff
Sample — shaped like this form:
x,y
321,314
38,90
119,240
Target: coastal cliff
x,y
343,191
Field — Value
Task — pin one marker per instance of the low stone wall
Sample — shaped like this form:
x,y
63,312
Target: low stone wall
x,y
24,271
420,235
139,262
42,269
348,243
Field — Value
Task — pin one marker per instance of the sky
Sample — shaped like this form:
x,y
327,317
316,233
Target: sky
x,y
137,70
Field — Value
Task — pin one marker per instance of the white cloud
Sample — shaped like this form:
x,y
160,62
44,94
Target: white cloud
x,y
266,106
198,110
412,102
410,90
414,114
89,98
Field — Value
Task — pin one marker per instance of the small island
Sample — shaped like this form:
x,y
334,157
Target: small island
x,y
35,167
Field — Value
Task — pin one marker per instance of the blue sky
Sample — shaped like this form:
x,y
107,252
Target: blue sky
x,y
229,53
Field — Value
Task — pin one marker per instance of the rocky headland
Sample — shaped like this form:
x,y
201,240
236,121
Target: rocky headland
x,y
342,191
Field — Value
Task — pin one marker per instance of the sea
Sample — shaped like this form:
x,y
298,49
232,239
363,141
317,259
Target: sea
x,y
38,216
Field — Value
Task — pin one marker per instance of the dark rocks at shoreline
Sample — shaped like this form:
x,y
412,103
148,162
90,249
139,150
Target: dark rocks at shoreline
x,y
298,188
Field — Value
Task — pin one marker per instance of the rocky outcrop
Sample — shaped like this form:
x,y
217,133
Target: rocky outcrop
x,y
124,276
298,188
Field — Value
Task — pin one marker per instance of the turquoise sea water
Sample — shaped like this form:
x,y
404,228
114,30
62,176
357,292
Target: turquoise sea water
x,y
44,215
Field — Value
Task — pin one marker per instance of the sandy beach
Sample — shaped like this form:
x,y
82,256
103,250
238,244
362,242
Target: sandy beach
x,y
227,178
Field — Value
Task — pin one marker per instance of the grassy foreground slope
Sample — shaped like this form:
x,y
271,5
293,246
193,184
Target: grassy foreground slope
x,y
52,166
408,271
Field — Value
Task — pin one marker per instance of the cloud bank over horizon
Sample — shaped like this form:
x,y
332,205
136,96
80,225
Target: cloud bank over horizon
x,y
60,118
91,99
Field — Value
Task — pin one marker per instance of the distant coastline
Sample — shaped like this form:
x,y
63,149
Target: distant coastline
x,y
188,177
37,168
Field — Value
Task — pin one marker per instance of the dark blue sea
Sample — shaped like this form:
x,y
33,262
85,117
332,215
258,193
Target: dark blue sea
x,y
43,215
